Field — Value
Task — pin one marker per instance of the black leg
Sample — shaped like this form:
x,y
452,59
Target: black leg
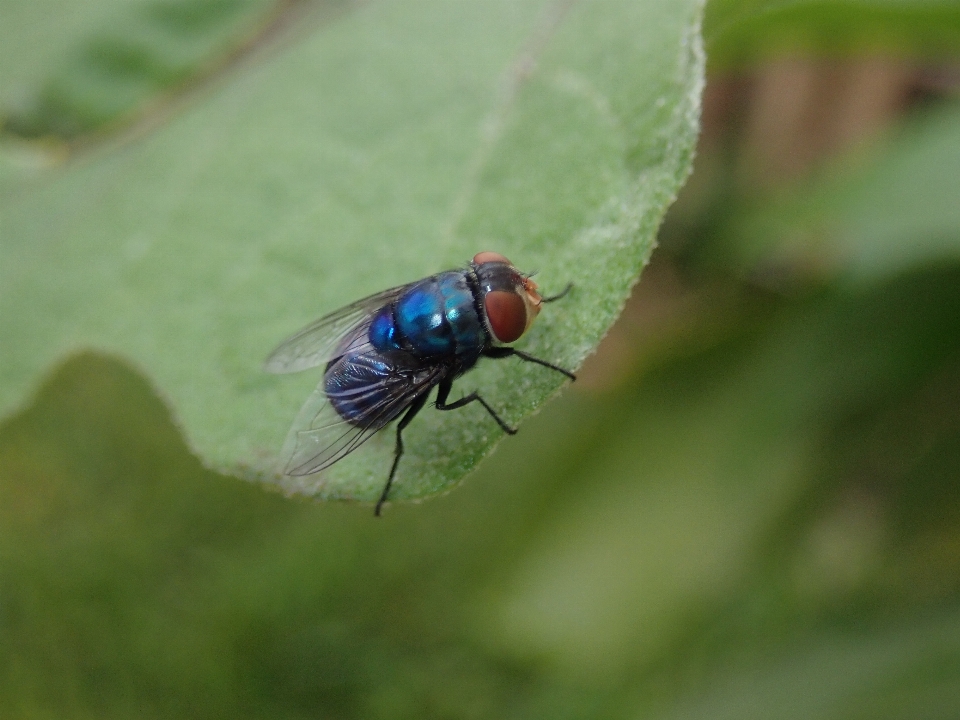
x,y
444,391
551,298
411,413
498,353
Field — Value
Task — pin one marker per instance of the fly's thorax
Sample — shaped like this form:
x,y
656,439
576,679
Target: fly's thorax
x,y
508,298
436,317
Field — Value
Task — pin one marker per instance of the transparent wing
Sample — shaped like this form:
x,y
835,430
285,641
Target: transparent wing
x,y
320,436
317,343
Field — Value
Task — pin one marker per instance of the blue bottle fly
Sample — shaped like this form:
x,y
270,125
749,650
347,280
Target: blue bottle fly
x,y
382,356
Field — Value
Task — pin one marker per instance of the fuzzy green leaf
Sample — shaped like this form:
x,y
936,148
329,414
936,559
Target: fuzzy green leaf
x,y
381,145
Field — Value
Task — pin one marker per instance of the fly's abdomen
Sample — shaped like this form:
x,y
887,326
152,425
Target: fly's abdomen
x,y
438,316
354,386
383,333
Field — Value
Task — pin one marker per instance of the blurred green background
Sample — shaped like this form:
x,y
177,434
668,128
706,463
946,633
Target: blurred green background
x,y
747,507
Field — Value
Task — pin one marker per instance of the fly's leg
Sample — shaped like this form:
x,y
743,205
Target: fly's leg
x,y
410,415
498,353
551,298
443,392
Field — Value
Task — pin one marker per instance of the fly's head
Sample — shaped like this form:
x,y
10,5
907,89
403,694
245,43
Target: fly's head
x,y
509,298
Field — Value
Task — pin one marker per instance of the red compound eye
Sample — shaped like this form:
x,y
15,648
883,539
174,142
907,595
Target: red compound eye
x,y
486,256
507,314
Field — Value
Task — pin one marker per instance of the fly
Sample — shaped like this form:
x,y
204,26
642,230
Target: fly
x,y
382,356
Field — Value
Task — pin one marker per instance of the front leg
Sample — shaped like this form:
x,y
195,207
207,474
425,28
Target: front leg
x,y
498,353
443,392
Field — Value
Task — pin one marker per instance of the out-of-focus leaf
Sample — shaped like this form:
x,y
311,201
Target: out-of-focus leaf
x,y
742,470
776,513
739,32
73,67
391,142
886,673
866,218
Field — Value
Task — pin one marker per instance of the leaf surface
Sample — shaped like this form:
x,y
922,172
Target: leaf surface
x,y
371,149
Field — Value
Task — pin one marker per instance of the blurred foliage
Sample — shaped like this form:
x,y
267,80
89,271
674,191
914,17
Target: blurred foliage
x,y
102,61
749,507
865,217
743,32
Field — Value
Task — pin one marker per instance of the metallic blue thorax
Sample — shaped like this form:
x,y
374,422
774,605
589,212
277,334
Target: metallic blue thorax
x,y
434,320
434,317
